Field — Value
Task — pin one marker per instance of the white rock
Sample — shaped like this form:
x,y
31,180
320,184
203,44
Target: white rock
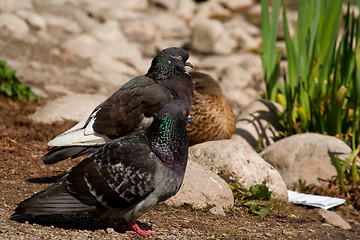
x,y
13,5
14,24
334,219
220,62
34,19
57,89
66,24
63,108
169,25
211,10
237,5
105,5
244,25
112,70
167,4
240,164
138,5
118,57
139,30
209,36
108,32
305,157
236,77
86,22
217,210
82,45
244,39
201,188
185,9
251,62
237,99
123,14
254,14
258,123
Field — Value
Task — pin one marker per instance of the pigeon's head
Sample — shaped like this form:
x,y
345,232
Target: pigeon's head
x,y
177,110
168,61
170,121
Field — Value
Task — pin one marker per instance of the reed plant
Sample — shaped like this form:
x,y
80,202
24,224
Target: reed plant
x,y
320,87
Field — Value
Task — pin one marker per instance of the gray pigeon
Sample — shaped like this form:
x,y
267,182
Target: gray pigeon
x,y
130,108
124,178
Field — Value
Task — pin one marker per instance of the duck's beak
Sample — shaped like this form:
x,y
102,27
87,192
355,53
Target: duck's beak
x,y
189,64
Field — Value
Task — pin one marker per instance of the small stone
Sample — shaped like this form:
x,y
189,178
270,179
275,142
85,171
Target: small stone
x,y
13,5
169,25
139,30
334,219
14,24
66,24
254,14
237,5
185,9
32,18
166,4
108,32
209,36
217,210
110,230
212,10
83,45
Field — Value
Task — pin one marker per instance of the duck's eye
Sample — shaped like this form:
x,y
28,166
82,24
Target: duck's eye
x,y
180,57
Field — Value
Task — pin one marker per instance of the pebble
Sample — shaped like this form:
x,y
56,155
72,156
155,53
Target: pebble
x,y
217,210
14,24
333,219
33,19
210,36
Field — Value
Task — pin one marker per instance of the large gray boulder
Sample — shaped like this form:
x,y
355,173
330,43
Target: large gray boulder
x,y
305,157
240,164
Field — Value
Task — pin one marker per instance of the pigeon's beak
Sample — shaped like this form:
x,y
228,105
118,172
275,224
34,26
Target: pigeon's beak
x,y
189,64
190,119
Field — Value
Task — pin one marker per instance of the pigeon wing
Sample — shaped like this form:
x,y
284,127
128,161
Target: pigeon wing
x,y
118,175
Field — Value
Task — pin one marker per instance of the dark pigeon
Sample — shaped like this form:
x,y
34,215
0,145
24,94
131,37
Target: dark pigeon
x,y
124,178
212,116
130,108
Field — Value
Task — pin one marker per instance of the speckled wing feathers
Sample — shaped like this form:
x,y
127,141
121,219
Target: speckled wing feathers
x,y
117,175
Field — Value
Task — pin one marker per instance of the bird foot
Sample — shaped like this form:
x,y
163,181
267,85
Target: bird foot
x,y
134,228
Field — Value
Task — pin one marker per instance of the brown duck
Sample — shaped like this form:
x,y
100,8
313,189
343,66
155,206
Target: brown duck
x,y
212,116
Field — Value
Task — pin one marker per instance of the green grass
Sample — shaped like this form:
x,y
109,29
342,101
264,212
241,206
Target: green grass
x,y
320,88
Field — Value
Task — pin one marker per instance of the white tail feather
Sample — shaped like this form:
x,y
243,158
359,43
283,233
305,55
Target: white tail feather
x,y
79,135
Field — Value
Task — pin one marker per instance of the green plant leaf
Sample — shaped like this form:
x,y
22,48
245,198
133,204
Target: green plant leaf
x,y
11,86
260,192
257,209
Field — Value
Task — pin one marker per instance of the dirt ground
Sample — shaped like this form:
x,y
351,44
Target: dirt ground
x,y
22,173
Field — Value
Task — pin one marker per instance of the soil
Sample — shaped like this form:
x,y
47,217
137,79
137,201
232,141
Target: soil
x,y
22,174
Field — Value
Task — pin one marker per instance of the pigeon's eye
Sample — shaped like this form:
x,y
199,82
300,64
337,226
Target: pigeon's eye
x,y
179,57
185,112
